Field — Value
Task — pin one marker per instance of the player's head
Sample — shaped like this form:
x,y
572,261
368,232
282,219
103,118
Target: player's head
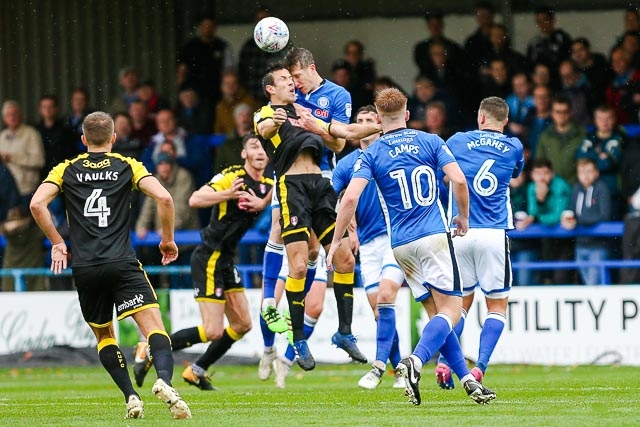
x,y
253,153
367,115
300,63
391,104
98,130
493,113
278,85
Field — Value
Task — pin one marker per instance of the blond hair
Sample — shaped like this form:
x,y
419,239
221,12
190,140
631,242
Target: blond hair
x,y
495,107
97,128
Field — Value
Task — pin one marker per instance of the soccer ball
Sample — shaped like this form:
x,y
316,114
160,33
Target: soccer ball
x,y
271,34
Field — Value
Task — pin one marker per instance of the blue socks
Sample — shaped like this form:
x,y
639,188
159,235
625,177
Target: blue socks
x,y
491,331
271,264
268,336
394,356
458,330
433,337
311,275
452,352
386,331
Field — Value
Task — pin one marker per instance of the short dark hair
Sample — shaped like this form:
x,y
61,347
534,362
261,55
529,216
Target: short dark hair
x,y
561,99
367,109
357,43
586,160
487,5
547,10
205,17
81,90
268,76
434,14
122,114
583,41
49,96
541,163
249,136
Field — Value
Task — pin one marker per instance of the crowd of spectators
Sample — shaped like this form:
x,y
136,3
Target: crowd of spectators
x,y
573,109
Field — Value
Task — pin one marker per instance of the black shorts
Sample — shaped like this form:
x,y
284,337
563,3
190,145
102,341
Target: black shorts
x,y
213,274
307,202
121,283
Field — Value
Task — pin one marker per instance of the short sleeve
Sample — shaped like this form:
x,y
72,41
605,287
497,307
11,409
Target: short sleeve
x,y
222,181
55,175
263,113
342,108
363,166
340,178
138,169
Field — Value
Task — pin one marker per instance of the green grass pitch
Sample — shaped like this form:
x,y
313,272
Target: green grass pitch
x,y
329,396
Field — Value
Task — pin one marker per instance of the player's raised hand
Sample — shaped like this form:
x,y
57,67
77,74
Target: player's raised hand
x,y
462,224
307,121
59,257
280,116
169,251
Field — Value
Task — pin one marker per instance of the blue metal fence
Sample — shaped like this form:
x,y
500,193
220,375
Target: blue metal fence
x,y
252,237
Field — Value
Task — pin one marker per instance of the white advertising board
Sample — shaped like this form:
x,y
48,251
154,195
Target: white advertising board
x,y
563,325
185,314
39,320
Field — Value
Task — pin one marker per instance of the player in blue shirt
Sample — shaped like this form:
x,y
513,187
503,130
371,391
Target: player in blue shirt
x,y
380,272
403,162
308,203
329,103
489,160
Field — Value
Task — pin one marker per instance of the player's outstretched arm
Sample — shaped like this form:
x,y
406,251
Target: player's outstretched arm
x,y
268,128
458,184
346,211
44,195
152,188
353,131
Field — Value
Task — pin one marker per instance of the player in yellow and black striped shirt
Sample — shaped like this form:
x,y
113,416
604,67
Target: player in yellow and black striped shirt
x,y
237,195
96,187
294,141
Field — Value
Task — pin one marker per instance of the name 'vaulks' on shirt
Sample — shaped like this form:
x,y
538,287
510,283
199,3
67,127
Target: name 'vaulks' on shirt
x,y
403,163
489,159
